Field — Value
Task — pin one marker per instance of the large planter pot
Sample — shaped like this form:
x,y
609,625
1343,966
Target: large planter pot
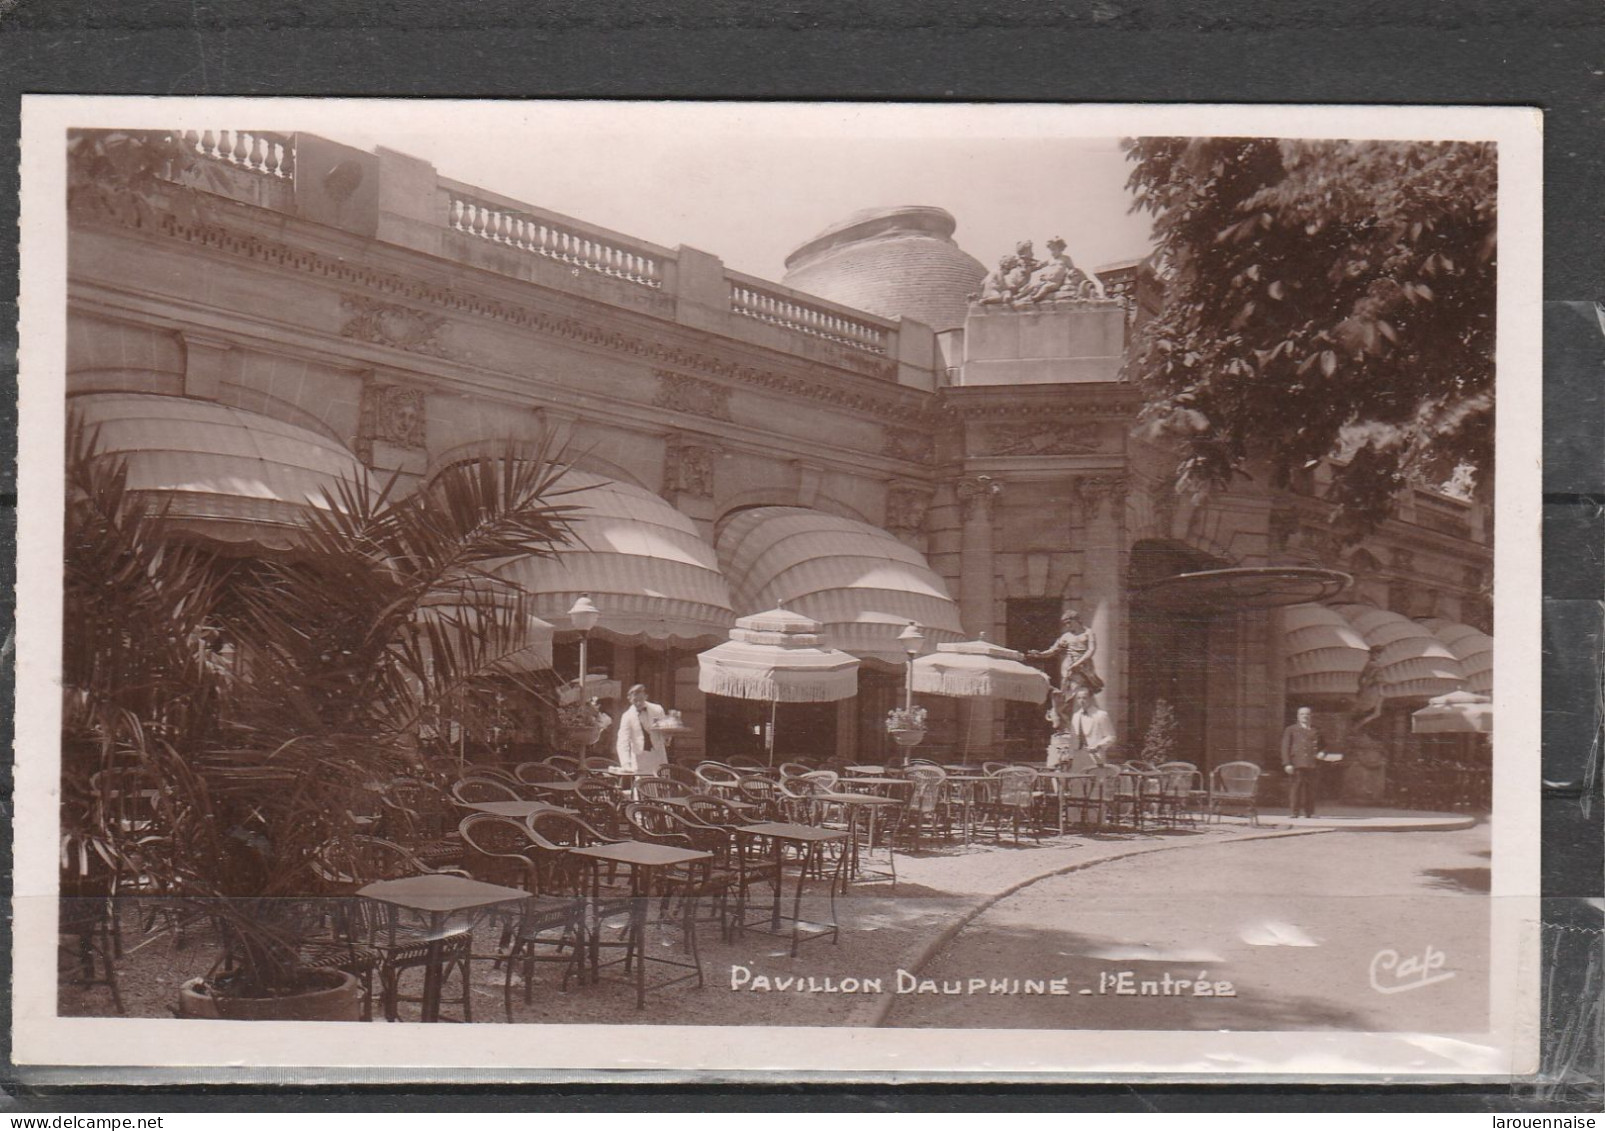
x,y
341,1000
907,736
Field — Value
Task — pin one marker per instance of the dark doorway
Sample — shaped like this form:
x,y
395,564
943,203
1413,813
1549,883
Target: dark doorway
x,y
1170,656
802,730
1031,623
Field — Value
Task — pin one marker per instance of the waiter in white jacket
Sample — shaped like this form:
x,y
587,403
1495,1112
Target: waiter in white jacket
x,y
1092,734
639,746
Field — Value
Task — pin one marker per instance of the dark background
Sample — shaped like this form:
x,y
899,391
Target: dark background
x,y
1543,54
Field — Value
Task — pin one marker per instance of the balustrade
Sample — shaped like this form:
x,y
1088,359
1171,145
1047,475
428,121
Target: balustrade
x,y
267,154
540,236
767,306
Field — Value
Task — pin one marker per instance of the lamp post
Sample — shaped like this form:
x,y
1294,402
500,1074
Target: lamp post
x,y
584,614
905,728
913,642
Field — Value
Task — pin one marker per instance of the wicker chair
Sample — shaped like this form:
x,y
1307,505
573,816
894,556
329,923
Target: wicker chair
x,y
717,778
660,788
690,883
477,790
566,763
764,793
681,774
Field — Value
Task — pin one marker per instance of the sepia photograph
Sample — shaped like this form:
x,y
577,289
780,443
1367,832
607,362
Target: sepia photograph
x,y
992,590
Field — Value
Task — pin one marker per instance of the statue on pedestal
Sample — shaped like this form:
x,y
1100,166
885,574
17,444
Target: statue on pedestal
x,y
1060,278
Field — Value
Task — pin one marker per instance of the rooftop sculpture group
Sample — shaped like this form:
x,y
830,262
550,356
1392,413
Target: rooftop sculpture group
x,y
1023,280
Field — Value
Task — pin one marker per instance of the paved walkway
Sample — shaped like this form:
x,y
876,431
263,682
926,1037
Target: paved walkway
x,y
1358,819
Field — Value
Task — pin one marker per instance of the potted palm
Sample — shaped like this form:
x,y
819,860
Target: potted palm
x,y
260,699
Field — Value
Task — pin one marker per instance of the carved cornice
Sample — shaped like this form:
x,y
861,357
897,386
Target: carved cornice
x,y
914,408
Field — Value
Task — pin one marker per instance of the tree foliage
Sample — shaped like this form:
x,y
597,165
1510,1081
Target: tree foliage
x,y
1324,300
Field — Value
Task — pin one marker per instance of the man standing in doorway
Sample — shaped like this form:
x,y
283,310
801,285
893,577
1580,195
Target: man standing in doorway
x,y
639,746
1301,742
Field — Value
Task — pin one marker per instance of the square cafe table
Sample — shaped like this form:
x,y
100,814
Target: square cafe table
x,y
812,840
645,861
856,803
439,897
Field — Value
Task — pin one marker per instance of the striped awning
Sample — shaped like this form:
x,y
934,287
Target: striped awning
x,y
225,473
1415,663
861,583
778,657
1323,653
1473,648
643,563
981,669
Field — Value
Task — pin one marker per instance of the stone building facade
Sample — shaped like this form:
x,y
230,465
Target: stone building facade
x,y
416,321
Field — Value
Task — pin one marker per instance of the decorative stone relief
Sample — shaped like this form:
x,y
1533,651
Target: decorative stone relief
x,y
1092,490
976,494
908,444
906,507
1404,560
391,414
679,392
688,470
391,324
1044,439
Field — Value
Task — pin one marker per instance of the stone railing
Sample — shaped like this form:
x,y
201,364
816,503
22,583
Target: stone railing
x,y
1443,513
546,236
752,298
267,154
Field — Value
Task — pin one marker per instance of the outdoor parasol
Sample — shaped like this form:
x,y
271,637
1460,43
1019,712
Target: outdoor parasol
x,y
979,669
1458,712
777,657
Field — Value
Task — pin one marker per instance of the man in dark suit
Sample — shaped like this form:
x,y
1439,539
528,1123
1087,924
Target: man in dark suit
x,y
1301,742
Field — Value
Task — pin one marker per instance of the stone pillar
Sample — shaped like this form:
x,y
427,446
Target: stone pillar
x,y
1102,499
977,602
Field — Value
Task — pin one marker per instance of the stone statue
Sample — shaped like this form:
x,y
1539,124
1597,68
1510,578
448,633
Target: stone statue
x,y
1060,278
996,290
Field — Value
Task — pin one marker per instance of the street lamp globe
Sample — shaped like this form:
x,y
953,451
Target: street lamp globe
x,y
912,640
584,613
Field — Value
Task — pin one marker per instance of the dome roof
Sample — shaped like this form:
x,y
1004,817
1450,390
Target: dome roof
x,y
896,262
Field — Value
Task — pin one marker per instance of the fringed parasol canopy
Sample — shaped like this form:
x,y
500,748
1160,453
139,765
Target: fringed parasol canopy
x,y
778,657
979,669
1458,712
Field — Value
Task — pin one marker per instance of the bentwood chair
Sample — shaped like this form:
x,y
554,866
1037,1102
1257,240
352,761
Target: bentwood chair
x,y
503,851
927,805
1013,800
717,778
346,865
1236,787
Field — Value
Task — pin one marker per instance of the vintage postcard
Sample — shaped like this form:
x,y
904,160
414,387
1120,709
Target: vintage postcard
x,y
805,591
